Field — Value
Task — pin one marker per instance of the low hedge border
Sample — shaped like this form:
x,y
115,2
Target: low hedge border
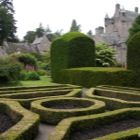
x,y
63,130
68,93
27,123
53,116
118,88
13,90
111,103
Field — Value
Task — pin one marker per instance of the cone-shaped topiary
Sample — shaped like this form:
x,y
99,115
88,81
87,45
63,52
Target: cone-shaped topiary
x,y
71,50
133,52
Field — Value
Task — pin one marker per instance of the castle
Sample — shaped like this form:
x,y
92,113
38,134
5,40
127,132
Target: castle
x,y
116,31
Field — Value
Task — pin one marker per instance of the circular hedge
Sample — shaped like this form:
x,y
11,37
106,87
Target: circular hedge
x,y
55,109
133,52
71,50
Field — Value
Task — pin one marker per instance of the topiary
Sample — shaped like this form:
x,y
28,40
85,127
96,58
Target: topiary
x,y
73,49
133,52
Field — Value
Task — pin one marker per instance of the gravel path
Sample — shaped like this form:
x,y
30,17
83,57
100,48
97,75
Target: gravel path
x,y
104,130
5,122
44,131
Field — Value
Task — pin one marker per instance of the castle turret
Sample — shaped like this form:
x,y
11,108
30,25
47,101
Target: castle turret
x,y
99,30
117,7
106,20
136,10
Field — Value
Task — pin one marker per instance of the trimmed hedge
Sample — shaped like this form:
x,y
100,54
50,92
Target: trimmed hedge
x,y
27,123
53,116
133,52
94,76
65,128
111,103
73,49
25,102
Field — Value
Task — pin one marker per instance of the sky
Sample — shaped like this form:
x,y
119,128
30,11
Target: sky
x,y
58,14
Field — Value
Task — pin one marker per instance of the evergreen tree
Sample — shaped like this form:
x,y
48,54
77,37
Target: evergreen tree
x,y
40,31
134,28
7,4
74,27
30,36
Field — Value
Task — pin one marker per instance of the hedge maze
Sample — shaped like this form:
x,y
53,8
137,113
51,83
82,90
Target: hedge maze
x,y
100,113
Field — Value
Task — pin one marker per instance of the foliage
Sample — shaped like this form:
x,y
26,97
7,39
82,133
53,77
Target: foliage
x,y
133,52
7,26
104,55
9,70
8,5
71,50
29,75
93,76
134,28
74,27
40,31
30,36
41,72
26,59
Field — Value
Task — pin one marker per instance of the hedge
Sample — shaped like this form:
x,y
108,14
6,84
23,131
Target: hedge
x,y
26,101
53,116
94,76
65,128
133,52
73,49
111,103
27,123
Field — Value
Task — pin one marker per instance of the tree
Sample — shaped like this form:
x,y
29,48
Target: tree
x,y
7,4
134,28
30,36
40,31
74,27
7,26
90,34
104,55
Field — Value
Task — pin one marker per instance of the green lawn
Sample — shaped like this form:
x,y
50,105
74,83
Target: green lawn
x,y
44,80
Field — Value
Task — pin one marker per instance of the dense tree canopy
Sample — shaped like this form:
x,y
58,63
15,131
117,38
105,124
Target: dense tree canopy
x,y
75,27
134,28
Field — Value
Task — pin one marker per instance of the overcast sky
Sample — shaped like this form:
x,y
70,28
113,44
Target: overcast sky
x,y
58,14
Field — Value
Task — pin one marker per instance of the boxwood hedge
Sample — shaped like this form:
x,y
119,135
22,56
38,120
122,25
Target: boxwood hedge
x,y
94,76
65,128
27,123
73,49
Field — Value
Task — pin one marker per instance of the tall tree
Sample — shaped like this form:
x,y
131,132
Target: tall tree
x,y
134,28
75,27
7,26
30,36
7,4
40,31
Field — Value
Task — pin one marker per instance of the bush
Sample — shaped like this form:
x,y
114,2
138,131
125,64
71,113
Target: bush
x,y
26,59
29,75
71,50
90,77
133,52
9,71
41,72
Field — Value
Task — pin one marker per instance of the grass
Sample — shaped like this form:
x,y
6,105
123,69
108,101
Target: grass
x,y
44,80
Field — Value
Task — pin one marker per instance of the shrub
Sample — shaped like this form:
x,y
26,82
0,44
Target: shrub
x,y
89,77
133,52
29,75
41,72
9,71
71,50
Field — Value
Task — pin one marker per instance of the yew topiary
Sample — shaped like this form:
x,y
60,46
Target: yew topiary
x,y
133,52
71,50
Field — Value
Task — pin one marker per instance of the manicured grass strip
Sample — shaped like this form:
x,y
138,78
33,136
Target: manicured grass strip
x,y
111,103
66,127
26,127
53,116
